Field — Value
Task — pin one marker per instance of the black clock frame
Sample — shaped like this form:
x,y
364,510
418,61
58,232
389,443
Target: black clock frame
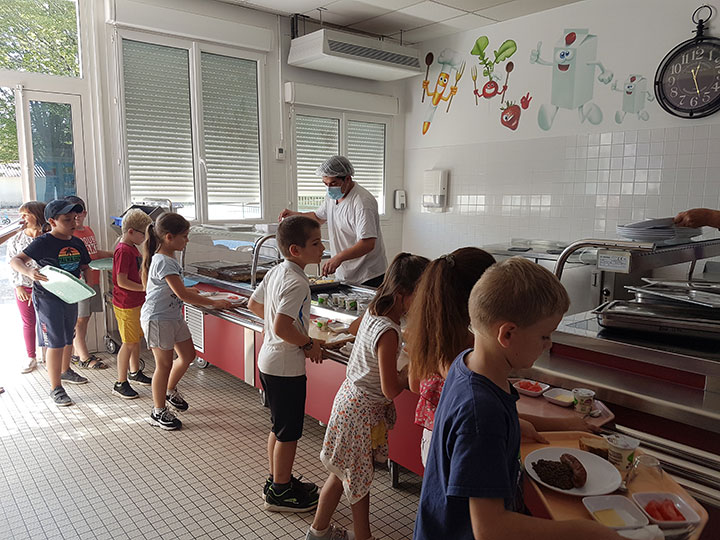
x,y
701,110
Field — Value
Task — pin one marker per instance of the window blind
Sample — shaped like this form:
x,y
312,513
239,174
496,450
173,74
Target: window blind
x,y
366,151
157,123
232,137
316,139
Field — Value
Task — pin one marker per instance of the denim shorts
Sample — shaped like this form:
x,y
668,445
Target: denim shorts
x,y
55,320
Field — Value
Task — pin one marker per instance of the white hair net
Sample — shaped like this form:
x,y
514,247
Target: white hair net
x,y
336,166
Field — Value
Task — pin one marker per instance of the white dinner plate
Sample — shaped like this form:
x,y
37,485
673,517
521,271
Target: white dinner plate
x,y
602,477
649,223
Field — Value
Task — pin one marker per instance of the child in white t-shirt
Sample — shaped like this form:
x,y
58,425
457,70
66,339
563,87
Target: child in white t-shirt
x,y
283,300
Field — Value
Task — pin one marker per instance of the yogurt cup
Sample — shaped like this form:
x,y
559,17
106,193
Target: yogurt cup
x,y
621,451
583,400
351,303
323,299
321,323
336,298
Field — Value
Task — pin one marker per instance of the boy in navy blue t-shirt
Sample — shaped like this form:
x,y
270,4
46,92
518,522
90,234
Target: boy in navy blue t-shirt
x,y
471,488
56,318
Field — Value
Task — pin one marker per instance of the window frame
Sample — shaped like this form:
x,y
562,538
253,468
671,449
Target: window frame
x,y
343,117
195,48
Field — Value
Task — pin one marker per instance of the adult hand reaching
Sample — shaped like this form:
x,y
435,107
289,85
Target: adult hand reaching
x,y
286,213
698,217
331,265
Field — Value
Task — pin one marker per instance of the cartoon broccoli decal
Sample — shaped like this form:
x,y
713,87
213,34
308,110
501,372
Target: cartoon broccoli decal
x,y
635,96
574,62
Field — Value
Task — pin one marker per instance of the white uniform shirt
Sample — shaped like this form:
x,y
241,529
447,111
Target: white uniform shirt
x,y
363,368
353,219
284,289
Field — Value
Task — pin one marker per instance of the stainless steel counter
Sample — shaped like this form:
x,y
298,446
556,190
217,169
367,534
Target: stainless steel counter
x,y
245,317
692,406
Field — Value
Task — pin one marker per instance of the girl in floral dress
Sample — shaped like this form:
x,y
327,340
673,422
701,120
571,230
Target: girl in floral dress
x,y
363,411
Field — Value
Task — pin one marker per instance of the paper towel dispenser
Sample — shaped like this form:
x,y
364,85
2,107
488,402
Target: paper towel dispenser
x,y
435,188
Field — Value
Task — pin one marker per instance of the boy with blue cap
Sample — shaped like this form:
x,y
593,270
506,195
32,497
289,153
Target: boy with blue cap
x,y
56,318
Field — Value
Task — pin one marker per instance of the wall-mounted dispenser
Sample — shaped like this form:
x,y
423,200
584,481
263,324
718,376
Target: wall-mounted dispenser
x,y
435,189
400,201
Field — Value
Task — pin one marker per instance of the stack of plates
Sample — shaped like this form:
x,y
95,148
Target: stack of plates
x,y
657,230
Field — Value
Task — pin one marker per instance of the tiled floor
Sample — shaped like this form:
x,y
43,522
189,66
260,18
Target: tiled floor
x,y
98,470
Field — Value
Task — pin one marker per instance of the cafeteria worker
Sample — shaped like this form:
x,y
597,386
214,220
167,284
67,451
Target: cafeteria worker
x,y
351,212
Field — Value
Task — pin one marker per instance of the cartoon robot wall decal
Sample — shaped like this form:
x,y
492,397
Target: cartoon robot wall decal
x,y
449,61
635,96
491,88
574,62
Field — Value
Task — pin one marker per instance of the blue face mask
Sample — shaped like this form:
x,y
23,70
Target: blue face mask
x,y
335,193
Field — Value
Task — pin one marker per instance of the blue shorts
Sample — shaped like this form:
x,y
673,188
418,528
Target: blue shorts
x,y
55,320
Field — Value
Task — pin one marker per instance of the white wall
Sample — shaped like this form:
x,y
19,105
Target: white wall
x,y
278,175
576,180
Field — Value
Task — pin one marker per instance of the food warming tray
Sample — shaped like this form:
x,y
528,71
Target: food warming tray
x,y
228,271
677,294
680,320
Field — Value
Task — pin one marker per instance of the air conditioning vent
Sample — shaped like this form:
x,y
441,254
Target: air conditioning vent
x,y
373,54
355,56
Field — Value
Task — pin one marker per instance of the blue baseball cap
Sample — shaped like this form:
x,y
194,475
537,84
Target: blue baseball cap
x,y
59,207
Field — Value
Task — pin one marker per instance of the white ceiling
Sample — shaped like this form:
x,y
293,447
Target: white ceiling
x,y
414,20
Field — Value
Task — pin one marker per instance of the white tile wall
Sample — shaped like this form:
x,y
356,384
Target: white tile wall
x,y
561,188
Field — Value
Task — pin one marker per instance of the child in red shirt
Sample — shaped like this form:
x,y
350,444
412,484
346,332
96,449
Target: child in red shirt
x,y
128,298
86,308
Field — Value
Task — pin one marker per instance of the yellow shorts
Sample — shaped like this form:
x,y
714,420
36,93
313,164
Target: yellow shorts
x,y
129,324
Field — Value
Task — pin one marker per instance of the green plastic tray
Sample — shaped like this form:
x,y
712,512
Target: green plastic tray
x,y
102,264
65,286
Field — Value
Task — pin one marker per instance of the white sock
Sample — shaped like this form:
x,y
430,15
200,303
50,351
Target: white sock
x,y
158,411
322,533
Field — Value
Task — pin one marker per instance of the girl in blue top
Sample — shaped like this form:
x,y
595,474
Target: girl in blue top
x,y
161,316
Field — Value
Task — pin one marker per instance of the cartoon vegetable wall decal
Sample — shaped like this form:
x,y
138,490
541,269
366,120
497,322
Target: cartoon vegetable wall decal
x,y
428,60
508,68
448,60
458,75
473,74
506,50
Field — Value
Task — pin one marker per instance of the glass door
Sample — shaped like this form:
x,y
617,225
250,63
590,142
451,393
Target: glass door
x,y
51,144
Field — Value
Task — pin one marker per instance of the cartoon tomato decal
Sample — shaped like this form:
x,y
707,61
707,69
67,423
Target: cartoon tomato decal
x,y
510,115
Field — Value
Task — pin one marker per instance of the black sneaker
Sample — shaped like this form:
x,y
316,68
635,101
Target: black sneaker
x,y
164,420
60,397
124,390
176,400
309,487
71,377
290,500
140,378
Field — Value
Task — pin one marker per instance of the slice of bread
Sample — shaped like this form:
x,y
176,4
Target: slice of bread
x,y
594,446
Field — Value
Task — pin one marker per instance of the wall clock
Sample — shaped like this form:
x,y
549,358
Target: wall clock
x,y
687,82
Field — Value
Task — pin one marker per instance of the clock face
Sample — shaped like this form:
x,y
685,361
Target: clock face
x,y
687,82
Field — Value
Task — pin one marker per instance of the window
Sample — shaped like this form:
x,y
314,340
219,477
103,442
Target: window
x,y
319,137
40,36
193,139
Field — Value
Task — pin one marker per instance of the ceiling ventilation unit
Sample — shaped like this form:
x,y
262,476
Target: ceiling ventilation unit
x,y
356,56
